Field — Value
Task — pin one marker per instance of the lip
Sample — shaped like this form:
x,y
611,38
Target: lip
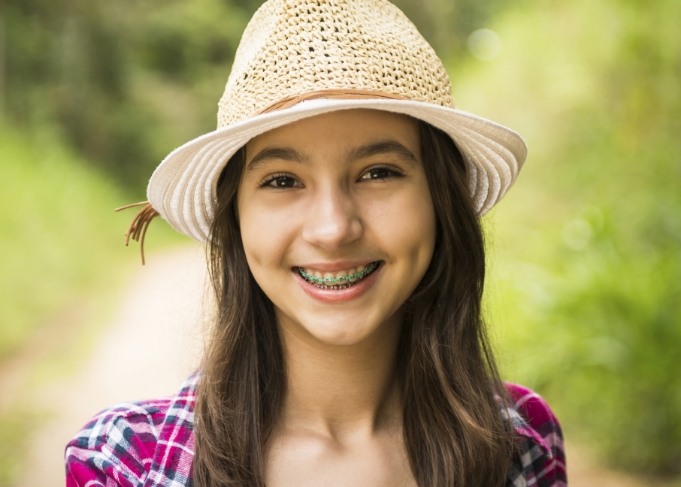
x,y
339,295
334,266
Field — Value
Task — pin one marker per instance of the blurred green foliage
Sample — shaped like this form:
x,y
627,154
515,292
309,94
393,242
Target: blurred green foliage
x,y
13,430
112,74
57,244
62,264
56,226
585,284
584,290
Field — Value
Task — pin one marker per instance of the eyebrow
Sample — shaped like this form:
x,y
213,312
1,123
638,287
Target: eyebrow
x,y
281,153
361,152
381,147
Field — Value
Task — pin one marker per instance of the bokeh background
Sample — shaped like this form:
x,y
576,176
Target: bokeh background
x,y
584,288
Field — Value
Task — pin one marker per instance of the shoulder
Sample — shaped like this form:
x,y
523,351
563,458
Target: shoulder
x,y
116,444
122,445
540,453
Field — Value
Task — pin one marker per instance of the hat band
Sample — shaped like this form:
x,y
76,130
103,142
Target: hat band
x,y
335,93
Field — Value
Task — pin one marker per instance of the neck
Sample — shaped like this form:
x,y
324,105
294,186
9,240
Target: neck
x,y
338,391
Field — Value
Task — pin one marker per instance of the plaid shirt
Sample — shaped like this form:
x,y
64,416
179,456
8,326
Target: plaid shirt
x,y
151,443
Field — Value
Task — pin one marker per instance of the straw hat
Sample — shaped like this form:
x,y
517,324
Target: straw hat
x,y
301,58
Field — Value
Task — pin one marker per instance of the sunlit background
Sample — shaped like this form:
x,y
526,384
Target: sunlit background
x,y
584,288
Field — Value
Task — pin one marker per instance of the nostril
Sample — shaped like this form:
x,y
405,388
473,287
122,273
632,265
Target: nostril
x,y
332,228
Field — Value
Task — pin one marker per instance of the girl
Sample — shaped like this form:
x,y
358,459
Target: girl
x,y
340,199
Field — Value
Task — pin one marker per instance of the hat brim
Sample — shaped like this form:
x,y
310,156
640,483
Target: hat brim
x,y
183,187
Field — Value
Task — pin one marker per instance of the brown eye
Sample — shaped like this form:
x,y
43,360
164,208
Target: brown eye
x,y
380,173
281,181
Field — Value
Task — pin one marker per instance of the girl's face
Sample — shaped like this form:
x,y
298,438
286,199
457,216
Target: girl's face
x,y
337,223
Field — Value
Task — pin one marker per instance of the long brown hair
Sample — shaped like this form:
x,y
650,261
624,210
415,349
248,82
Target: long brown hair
x,y
453,428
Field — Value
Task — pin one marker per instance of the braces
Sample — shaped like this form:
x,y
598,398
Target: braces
x,y
336,281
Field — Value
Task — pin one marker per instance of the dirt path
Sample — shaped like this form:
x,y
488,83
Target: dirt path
x,y
147,350
161,316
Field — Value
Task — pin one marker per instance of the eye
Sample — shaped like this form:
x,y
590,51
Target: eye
x,y
380,173
280,181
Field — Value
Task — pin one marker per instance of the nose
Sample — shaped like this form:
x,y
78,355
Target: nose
x,y
332,220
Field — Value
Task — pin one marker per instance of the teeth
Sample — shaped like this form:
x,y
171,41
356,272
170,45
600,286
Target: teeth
x,y
335,275
335,280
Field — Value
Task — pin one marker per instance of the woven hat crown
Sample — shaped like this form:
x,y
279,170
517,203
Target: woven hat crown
x,y
294,47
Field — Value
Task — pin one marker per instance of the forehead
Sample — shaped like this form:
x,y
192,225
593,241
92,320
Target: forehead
x,y
340,130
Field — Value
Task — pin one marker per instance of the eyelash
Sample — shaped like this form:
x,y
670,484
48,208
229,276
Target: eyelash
x,y
274,180
283,181
385,173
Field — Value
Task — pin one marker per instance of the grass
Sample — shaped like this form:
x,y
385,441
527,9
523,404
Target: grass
x,y
56,223
61,237
62,266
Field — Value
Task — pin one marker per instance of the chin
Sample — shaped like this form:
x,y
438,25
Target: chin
x,y
340,331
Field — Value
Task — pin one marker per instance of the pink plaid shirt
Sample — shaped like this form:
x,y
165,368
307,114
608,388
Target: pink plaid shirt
x,y
151,443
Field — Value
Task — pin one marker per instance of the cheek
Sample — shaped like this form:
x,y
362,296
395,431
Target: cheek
x,y
263,234
422,234
407,225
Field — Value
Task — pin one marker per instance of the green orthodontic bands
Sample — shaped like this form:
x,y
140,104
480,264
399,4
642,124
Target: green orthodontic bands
x,y
335,281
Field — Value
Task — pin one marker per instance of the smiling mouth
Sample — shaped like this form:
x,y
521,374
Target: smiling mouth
x,y
339,280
